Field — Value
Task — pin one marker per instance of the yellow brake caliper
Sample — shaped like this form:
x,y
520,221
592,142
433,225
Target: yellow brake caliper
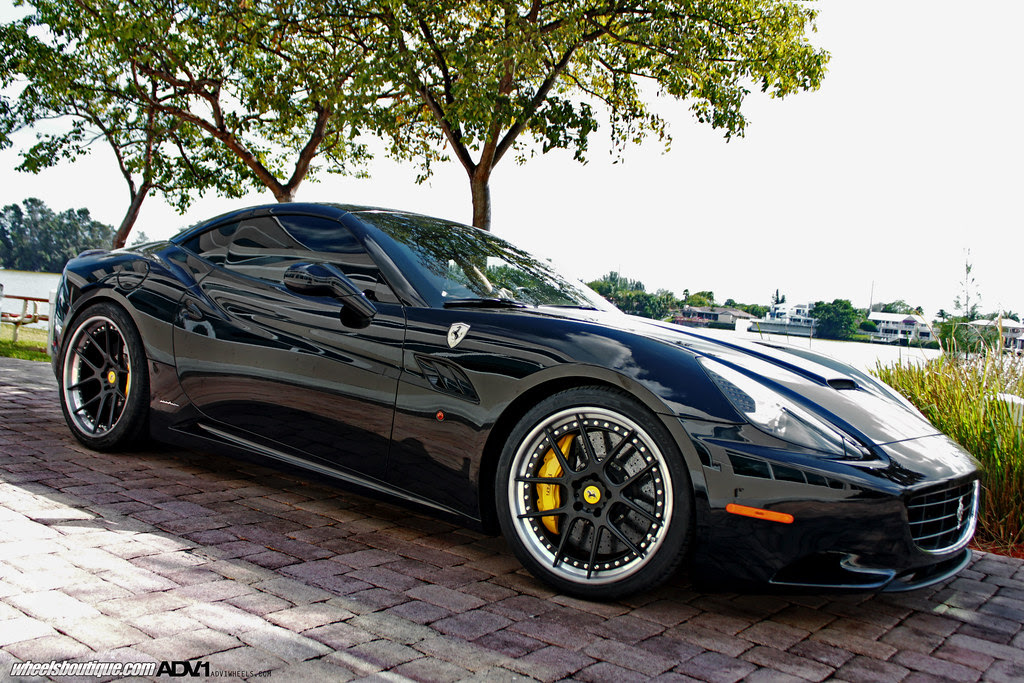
x,y
549,496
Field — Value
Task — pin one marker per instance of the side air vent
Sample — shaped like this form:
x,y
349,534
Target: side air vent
x,y
754,467
447,378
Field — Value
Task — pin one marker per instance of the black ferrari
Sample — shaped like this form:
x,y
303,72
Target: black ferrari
x,y
441,365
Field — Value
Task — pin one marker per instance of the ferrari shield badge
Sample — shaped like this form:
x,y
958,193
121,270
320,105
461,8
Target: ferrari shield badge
x,y
456,333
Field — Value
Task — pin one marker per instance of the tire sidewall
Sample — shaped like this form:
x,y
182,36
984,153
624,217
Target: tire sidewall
x,y
132,424
673,548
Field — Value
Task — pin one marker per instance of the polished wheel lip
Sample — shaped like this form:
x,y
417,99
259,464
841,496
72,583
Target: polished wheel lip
x,y
97,414
527,517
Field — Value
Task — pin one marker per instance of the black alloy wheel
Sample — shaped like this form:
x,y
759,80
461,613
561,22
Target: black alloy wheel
x,y
593,495
104,379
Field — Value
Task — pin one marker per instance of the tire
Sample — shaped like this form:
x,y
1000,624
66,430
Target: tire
x,y
104,390
617,515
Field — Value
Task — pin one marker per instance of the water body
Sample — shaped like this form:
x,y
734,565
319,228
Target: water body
x,y
22,283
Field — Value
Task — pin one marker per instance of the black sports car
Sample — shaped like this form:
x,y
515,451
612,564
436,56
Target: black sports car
x,y
442,365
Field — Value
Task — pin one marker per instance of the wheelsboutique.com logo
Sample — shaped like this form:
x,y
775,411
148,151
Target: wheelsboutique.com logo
x,y
172,669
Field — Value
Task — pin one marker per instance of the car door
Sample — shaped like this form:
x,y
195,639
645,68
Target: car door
x,y
282,369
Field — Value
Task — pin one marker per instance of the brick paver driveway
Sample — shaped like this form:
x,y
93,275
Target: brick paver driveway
x,y
164,554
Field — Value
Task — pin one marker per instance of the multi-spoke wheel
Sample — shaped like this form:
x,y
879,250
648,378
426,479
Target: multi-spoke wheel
x,y
104,383
593,495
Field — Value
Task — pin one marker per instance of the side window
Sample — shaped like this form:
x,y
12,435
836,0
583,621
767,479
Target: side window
x,y
266,246
330,242
212,245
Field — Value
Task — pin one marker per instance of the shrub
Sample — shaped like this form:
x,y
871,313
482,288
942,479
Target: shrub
x,y
959,396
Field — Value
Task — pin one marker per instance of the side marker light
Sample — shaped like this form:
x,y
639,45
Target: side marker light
x,y
758,513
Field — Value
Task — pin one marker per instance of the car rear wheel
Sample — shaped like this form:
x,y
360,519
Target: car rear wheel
x,y
593,494
104,380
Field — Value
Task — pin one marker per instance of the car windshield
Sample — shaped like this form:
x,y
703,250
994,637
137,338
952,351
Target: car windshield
x,y
467,266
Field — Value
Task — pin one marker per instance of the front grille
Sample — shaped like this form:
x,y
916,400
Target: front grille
x,y
943,517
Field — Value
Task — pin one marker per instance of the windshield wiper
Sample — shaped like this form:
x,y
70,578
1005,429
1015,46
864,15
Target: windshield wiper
x,y
484,303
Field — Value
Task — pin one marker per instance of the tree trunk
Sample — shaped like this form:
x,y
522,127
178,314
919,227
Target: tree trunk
x,y
481,191
130,217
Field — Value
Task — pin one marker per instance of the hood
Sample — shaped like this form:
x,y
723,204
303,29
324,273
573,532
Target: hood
x,y
858,403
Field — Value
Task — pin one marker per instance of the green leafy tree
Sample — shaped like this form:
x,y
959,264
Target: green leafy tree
x,y
488,80
255,91
836,320
153,151
33,237
612,283
778,298
704,298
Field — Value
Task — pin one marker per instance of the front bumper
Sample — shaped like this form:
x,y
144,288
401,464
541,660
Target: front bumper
x,y
899,523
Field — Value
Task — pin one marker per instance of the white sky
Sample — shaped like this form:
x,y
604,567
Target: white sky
x,y
908,156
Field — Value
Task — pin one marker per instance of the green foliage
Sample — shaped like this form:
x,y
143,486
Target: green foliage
x,y
868,326
195,96
613,282
630,296
959,396
704,298
898,306
836,320
33,237
486,79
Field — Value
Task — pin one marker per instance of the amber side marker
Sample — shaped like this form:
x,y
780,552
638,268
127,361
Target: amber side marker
x,y
758,513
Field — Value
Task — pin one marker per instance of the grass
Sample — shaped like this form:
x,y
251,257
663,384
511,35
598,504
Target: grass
x,y
959,396
31,344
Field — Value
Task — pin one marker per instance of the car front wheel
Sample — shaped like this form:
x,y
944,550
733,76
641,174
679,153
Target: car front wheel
x,y
593,494
104,381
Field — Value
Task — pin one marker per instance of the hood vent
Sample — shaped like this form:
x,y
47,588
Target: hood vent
x,y
842,384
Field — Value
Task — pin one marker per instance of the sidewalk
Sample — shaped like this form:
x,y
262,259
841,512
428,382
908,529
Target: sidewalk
x,y
169,555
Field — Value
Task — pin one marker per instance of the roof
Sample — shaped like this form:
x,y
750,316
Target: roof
x,y
909,318
1007,323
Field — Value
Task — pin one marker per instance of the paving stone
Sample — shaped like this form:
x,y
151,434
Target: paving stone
x,y
171,554
340,636
627,629
162,624
305,617
986,647
392,627
604,671
917,661
627,656
56,647
52,605
103,632
551,663
471,625
383,654
716,668
709,639
428,669
870,669
188,645
788,663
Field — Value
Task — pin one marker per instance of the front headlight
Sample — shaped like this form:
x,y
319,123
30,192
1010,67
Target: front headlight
x,y
780,417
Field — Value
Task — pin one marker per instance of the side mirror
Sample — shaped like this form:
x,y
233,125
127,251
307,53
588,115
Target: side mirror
x,y
323,279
